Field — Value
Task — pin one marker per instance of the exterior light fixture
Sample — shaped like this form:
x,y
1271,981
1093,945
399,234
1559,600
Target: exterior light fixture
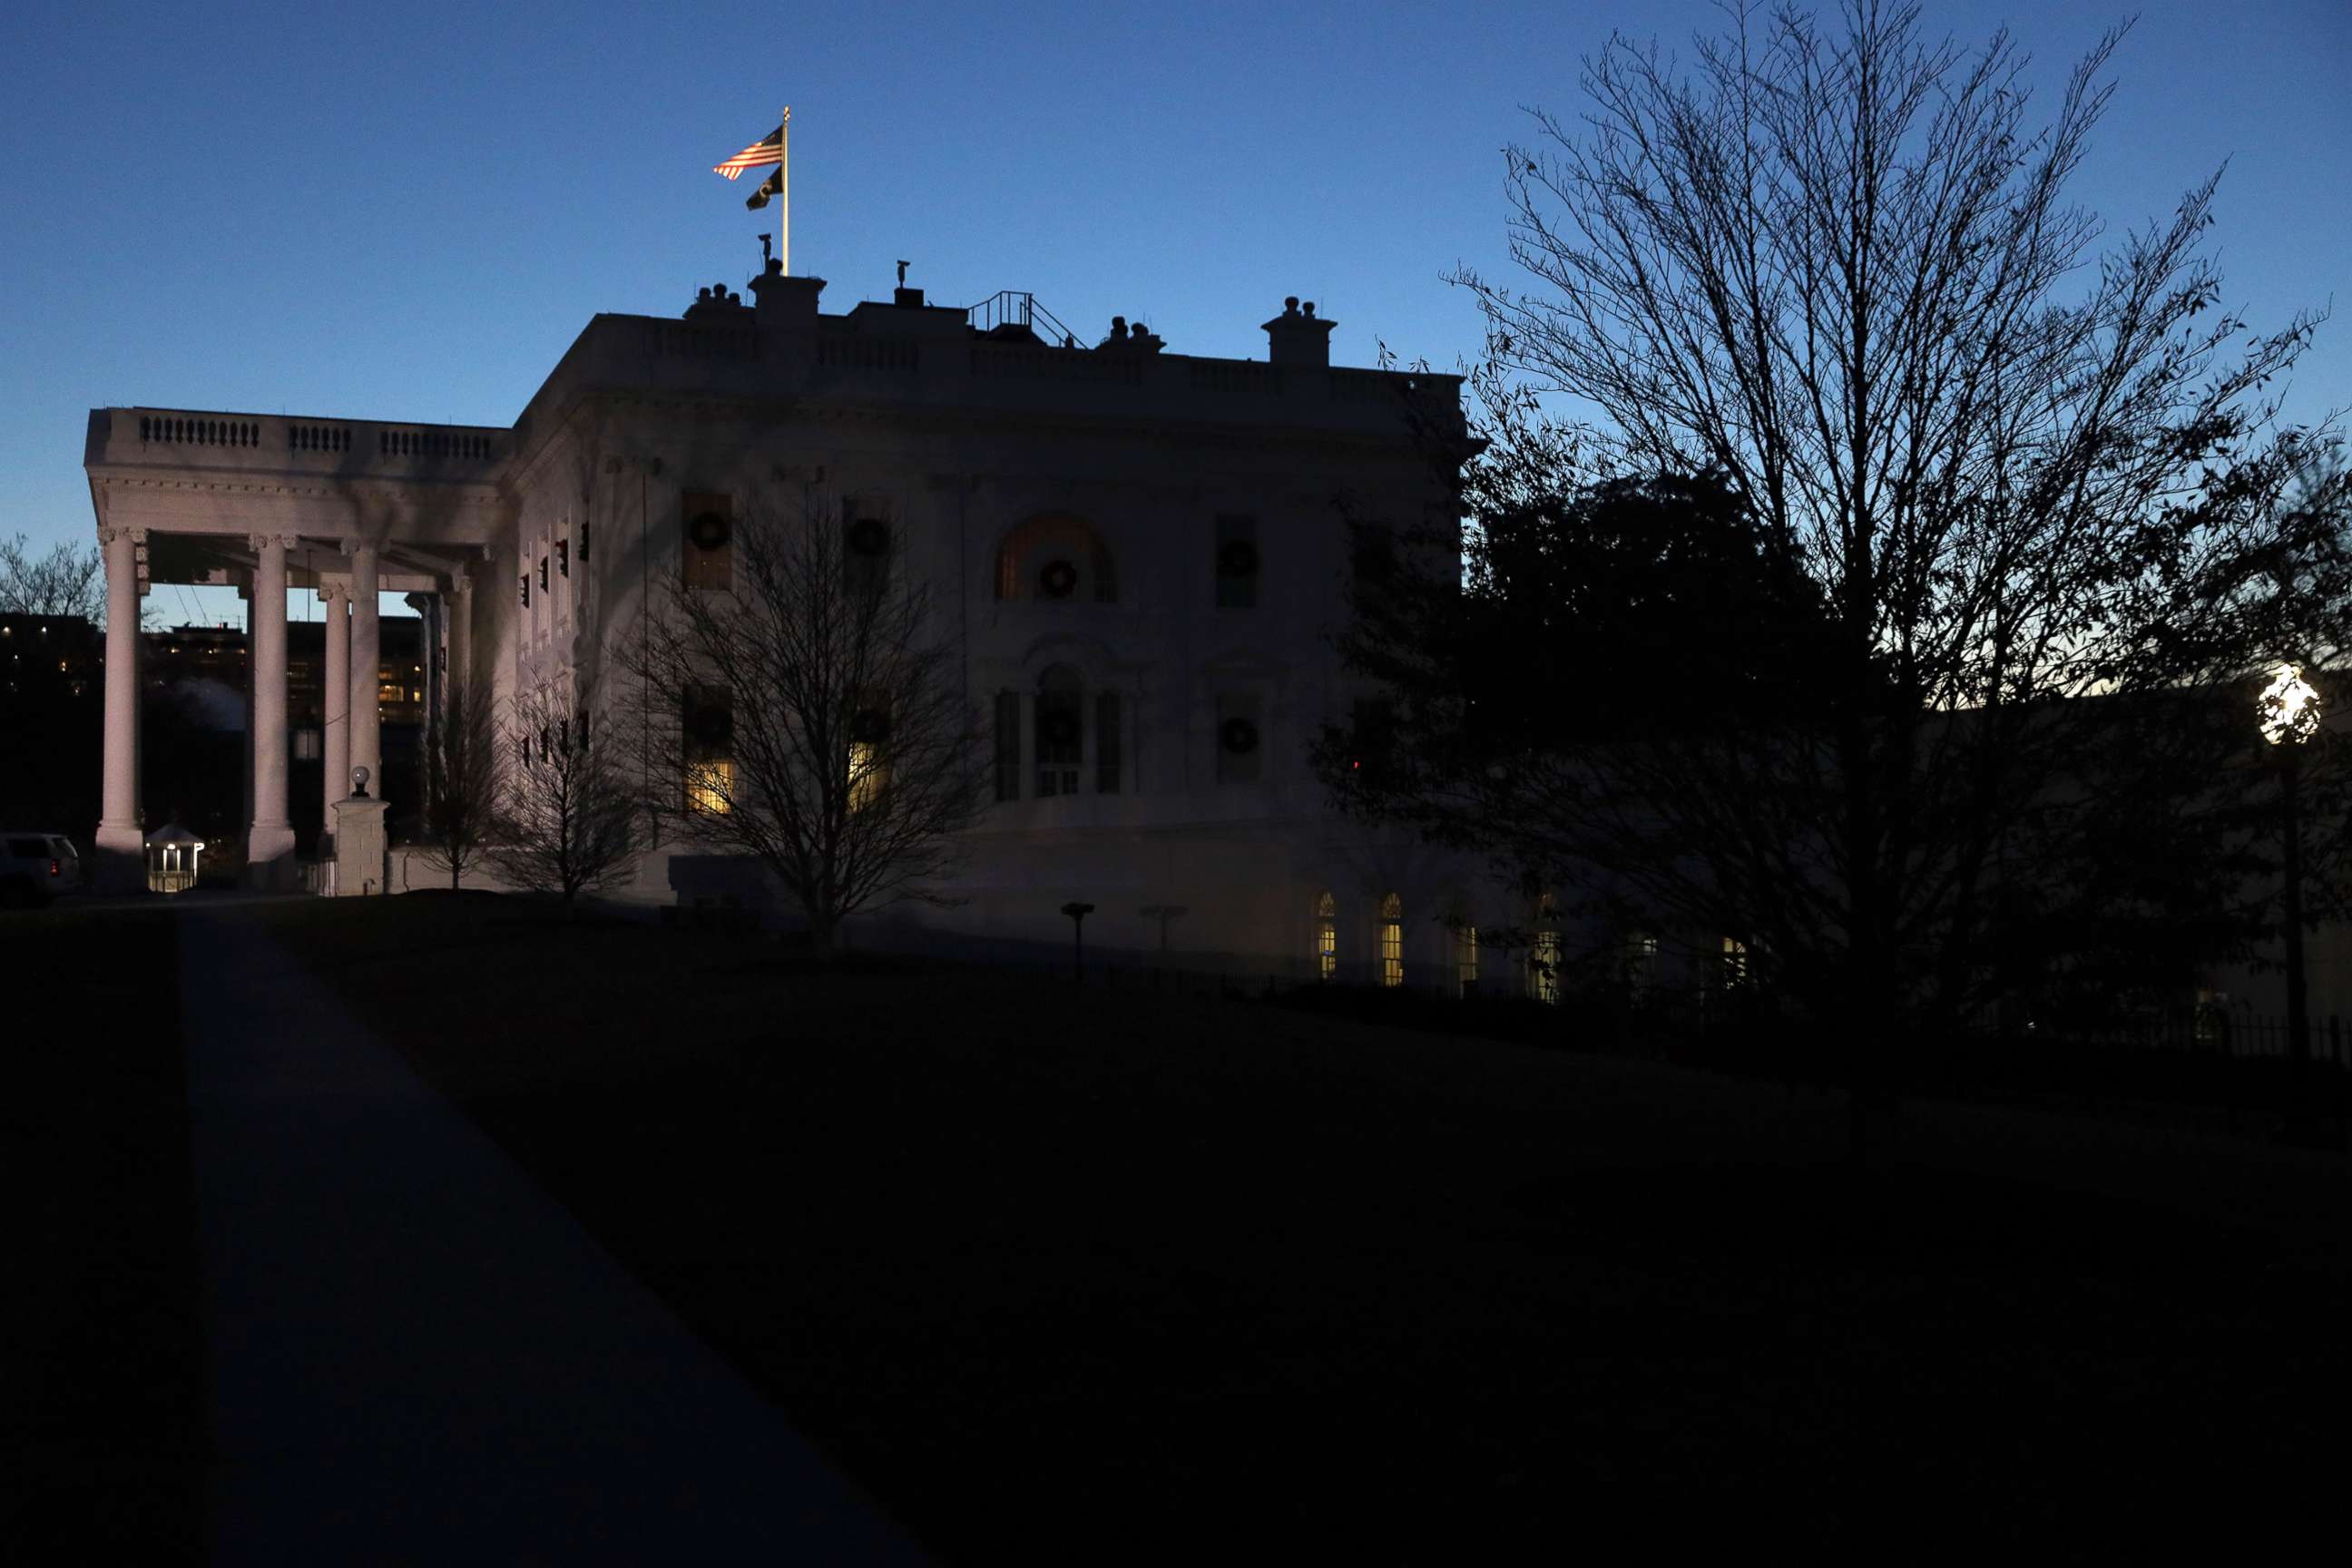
x,y
2288,711
172,855
1077,913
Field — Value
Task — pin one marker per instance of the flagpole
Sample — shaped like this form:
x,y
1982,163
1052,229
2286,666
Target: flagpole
x,y
784,192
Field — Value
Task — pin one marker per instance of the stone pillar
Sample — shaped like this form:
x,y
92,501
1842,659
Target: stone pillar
x,y
121,845
335,711
461,628
360,859
269,842
367,666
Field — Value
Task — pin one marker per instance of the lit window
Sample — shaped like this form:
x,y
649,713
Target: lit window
x,y
1327,938
1392,941
865,774
1735,962
1465,957
710,787
1056,556
1640,964
1543,967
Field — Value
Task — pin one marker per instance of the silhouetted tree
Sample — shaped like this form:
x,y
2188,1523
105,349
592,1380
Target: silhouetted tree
x,y
809,715
1980,539
464,774
566,819
65,581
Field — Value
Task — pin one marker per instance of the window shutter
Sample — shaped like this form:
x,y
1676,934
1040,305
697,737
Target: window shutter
x,y
1008,745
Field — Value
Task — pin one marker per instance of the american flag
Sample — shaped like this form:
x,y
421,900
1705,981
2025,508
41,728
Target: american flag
x,y
769,148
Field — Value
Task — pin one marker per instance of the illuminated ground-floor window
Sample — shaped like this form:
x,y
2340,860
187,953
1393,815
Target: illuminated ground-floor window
x,y
1327,938
710,786
1392,941
1543,967
1735,963
1641,965
1465,957
865,774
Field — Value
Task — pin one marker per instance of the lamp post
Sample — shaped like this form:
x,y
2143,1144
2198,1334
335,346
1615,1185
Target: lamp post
x,y
2289,710
1077,913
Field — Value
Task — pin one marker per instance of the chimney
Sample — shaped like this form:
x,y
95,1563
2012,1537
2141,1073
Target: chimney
x,y
786,306
1297,337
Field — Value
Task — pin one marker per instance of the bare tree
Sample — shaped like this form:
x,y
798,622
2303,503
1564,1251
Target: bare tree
x,y
806,715
464,782
1828,271
566,821
65,581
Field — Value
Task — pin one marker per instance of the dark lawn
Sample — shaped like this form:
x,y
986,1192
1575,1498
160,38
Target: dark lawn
x,y
101,1347
1082,1275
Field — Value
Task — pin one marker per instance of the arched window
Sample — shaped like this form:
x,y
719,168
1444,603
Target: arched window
x,y
1327,938
1061,729
1392,939
1058,559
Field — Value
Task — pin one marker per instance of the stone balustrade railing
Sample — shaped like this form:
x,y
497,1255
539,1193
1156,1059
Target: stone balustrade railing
x,y
243,440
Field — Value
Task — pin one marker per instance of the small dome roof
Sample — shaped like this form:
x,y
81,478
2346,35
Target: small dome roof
x,y
173,833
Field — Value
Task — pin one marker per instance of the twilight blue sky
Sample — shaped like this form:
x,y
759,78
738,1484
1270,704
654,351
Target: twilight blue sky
x,y
408,211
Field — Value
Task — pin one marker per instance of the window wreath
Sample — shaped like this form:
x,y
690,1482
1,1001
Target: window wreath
x,y
1059,728
1059,580
1237,558
710,725
708,531
1239,736
867,536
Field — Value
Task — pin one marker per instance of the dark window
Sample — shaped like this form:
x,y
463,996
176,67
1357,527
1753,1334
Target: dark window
x,y
708,541
1008,745
584,541
563,557
525,592
1239,747
28,848
1107,743
1374,551
1061,730
1237,562
543,574
864,549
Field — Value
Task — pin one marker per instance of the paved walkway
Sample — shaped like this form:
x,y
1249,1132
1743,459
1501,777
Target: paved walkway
x,y
418,1356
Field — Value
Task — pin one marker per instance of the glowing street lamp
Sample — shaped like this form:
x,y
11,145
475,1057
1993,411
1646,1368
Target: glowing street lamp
x,y
2289,713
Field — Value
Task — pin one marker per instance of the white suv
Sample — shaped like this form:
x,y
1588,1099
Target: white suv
x,y
35,867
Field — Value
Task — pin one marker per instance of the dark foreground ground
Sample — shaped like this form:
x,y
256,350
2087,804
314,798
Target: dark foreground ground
x,y
102,1395
1068,1275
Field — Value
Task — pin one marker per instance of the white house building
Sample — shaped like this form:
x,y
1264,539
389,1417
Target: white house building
x,y
1143,554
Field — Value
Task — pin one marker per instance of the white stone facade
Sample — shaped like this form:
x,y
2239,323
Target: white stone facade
x,y
988,456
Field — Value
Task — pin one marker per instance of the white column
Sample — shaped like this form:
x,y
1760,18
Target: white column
x,y
461,628
335,708
367,667
269,842
121,845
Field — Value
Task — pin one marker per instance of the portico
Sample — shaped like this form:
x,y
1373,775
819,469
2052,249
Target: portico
x,y
348,509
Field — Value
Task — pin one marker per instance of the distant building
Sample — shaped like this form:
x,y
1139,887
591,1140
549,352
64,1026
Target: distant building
x,y
51,681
